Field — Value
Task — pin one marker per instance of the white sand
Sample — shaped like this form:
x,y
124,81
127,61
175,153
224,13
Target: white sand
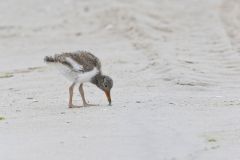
x,y
176,71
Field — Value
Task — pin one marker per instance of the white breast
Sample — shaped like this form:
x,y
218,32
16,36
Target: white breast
x,y
87,76
74,76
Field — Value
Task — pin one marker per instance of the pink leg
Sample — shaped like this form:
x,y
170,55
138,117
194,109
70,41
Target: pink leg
x,y
85,104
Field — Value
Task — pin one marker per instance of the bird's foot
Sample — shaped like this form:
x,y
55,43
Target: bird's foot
x,y
88,105
74,106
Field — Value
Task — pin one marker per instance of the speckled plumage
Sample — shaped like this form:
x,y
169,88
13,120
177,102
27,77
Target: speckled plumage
x,y
84,58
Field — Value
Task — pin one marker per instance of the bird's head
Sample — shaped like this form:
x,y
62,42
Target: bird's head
x,y
105,83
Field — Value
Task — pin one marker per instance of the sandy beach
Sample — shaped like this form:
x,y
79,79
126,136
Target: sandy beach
x,y
176,71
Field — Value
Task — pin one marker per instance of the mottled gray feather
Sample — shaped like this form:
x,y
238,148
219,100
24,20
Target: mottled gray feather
x,y
86,59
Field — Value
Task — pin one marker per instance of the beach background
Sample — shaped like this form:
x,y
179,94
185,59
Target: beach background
x,y
176,71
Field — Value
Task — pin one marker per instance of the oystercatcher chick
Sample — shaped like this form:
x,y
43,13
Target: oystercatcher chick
x,y
80,67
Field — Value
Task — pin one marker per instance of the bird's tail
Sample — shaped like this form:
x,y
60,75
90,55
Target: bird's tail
x,y
49,59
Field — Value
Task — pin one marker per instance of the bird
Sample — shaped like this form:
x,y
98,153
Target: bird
x,y
80,67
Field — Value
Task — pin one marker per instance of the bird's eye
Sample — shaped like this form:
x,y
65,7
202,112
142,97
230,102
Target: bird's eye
x,y
105,85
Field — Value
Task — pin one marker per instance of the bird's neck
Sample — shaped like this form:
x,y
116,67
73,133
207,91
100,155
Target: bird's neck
x,y
96,79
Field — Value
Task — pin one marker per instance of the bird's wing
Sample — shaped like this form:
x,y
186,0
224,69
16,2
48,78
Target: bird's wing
x,y
75,66
89,61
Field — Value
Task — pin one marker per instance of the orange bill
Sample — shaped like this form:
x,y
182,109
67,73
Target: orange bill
x,y
108,97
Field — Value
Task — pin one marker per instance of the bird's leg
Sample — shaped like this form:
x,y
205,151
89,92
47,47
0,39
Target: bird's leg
x,y
70,105
85,104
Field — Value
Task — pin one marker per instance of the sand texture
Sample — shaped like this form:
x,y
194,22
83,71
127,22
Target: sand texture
x,y
176,71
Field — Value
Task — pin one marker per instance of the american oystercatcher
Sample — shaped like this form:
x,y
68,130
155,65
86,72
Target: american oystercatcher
x,y
80,67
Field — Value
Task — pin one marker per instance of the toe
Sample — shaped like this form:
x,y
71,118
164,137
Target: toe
x,y
88,105
74,106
